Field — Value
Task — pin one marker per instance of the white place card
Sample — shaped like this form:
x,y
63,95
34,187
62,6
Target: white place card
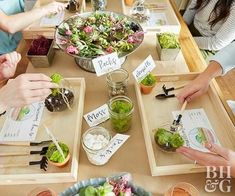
x,y
21,124
52,21
116,142
144,69
196,129
107,63
97,116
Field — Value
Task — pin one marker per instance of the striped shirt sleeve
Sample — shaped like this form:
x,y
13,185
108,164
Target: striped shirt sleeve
x,y
225,58
190,12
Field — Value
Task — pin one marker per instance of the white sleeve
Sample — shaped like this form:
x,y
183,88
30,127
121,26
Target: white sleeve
x,y
224,36
190,12
225,58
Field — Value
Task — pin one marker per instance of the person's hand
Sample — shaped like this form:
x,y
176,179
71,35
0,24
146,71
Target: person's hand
x,y
53,8
218,156
196,88
24,90
8,64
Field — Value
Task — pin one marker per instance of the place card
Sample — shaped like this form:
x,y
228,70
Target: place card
x,y
116,142
107,63
52,20
21,124
144,69
97,116
196,129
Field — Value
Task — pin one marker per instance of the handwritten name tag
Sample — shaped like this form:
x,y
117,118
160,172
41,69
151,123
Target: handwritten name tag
x,y
106,64
116,142
144,69
97,116
21,124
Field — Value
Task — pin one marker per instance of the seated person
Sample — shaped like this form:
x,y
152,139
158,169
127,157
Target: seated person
x,y
13,19
212,23
221,63
24,89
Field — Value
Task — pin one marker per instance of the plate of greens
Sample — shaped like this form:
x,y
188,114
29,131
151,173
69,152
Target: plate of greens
x,y
93,34
117,185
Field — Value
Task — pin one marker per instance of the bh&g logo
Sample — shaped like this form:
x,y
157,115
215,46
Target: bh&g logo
x,y
218,179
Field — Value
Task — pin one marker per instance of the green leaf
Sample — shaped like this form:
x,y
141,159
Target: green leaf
x,y
149,80
168,41
56,78
176,140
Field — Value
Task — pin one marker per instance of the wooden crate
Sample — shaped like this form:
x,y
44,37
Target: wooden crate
x,y
157,113
66,126
173,25
34,30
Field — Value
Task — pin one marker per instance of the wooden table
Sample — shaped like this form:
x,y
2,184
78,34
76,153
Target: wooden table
x,y
132,156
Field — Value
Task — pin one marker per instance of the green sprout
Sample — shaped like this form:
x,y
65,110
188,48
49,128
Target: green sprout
x,y
56,78
149,80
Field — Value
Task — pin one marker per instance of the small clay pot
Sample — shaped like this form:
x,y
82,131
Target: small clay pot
x,y
129,2
182,189
146,89
56,103
60,164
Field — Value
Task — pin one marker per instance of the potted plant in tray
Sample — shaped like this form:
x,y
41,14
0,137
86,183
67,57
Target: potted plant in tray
x,y
41,52
54,156
147,84
168,46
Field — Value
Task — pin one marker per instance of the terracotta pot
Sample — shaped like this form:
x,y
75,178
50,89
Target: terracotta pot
x,y
146,89
129,2
60,164
182,189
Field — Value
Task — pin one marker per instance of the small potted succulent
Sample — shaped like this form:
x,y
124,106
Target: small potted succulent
x,y
41,52
147,84
54,156
60,98
168,46
168,141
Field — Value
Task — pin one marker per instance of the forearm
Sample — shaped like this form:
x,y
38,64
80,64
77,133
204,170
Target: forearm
x,y
17,22
213,70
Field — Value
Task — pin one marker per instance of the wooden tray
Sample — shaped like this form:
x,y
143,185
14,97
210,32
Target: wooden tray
x,y
66,126
157,113
34,30
173,25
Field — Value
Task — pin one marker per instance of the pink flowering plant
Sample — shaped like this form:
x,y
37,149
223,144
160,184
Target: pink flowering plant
x,y
120,186
99,34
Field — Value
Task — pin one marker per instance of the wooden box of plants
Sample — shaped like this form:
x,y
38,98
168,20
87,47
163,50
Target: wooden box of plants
x,y
65,126
157,113
168,46
161,16
41,52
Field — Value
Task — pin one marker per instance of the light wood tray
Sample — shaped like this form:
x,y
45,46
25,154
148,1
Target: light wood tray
x,y
158,113
66,126
173,25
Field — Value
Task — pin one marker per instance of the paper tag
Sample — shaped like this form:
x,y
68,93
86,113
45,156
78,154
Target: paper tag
x,y
106,64
196,129
116,142
52,21
21,124
144,69
97,116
